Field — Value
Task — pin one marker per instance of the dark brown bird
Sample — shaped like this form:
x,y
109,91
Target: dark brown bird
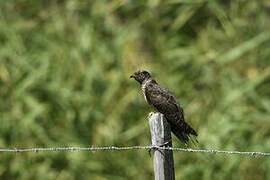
x,y
164,102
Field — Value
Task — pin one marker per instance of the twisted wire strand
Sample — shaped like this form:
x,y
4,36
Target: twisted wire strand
x,y
126,148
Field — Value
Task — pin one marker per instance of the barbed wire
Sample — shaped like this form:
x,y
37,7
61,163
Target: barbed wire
x,y
125,148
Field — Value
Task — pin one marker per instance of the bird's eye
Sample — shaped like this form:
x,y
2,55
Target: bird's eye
x,y
145,73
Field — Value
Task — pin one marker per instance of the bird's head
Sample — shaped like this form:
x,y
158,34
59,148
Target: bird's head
x,y
140,76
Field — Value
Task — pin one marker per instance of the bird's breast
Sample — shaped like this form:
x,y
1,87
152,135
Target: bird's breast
x,y
144,86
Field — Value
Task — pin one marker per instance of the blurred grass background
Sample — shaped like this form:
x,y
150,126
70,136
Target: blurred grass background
x,y
64,81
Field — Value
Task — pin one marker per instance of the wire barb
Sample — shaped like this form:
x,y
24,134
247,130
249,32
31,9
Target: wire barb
x,y
126,148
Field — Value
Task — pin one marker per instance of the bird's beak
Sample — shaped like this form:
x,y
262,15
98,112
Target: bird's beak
x,y
132,76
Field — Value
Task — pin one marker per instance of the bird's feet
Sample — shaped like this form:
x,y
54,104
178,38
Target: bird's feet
x,y
150,114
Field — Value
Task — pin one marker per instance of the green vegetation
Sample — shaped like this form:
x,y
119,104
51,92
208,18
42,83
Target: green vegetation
x,y
64,81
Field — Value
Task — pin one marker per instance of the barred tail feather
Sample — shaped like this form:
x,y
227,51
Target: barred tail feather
x,y
190,130
183,134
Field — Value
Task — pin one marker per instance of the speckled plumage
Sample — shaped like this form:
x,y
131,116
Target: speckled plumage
x,y
164,102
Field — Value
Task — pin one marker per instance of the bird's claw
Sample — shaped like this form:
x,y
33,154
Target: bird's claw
x,y
150,114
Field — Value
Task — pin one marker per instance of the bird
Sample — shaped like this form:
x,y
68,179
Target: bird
x,y
165,102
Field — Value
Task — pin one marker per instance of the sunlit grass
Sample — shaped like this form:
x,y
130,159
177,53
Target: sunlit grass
x,y
64,80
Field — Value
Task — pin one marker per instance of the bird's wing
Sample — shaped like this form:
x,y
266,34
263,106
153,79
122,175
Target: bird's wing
x,y
163,101
166,103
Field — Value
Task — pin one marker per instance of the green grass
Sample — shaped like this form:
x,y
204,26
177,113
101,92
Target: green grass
x,y
64,81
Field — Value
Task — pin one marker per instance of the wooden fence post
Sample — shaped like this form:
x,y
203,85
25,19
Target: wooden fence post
x,y
163,159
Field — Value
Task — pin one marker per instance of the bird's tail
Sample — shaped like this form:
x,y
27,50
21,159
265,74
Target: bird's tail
x,y
184,133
